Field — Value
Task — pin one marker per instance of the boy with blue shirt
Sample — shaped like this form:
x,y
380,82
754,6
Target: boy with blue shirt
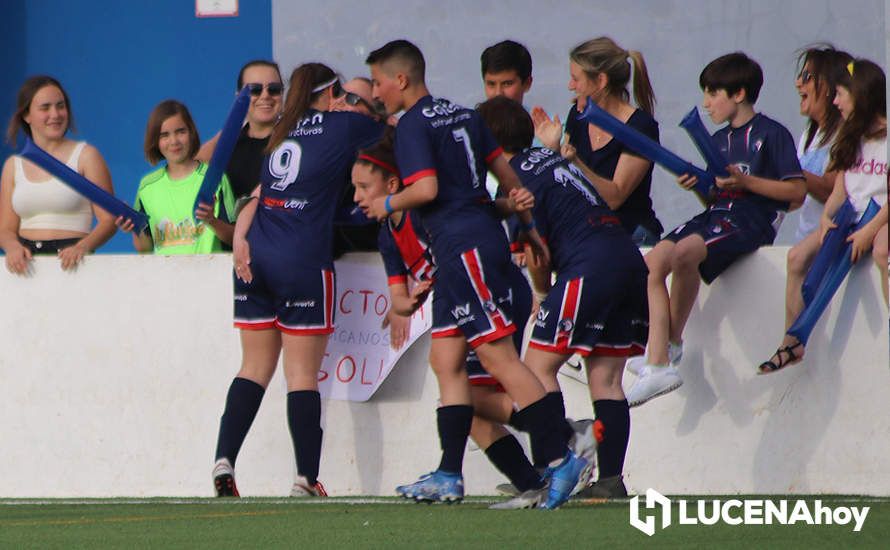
x,y
745,212
442,151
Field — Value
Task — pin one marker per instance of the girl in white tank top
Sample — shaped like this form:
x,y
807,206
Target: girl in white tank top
x,y
40,214
50,204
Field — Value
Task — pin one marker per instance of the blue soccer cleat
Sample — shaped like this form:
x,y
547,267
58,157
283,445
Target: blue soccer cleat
x,y
435,486
566,479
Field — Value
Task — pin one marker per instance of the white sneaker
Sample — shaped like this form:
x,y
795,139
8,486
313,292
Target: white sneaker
x,y
652,382
675,354
528,499
634,364
301,488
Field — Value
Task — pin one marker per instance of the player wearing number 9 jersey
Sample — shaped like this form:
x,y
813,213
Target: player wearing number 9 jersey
x,y
284,279
442,151
597,307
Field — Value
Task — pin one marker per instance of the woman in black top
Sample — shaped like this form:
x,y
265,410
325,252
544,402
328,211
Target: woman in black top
x,y
245,164
601,70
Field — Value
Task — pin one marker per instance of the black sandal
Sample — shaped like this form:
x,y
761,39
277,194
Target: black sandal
x,y
768,367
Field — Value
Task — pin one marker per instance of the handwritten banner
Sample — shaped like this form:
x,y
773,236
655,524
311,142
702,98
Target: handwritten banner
x,y
359,356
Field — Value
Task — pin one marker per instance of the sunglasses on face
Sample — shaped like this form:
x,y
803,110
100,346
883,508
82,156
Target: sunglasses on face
x,y
805,76
256,89
355,99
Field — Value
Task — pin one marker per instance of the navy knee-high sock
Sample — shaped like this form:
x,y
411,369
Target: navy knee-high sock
x,y
242,404
554,401
615,418
304,420
545,422
508,457
454,423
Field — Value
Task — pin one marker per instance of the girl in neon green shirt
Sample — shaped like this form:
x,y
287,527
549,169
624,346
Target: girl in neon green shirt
x,y
167,194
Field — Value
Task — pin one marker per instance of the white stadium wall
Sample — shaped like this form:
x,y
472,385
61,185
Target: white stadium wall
x,y
114,378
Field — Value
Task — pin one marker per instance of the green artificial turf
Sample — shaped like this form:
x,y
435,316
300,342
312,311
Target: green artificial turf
x,y
392,523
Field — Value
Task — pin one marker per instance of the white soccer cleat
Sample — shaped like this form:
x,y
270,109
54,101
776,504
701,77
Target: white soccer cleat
x,y
583,441
224,479
302,489
652,382
528,499
507,489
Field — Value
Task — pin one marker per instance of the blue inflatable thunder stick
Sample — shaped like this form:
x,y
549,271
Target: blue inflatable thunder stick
x,y
702,139
647,147
85,187
228,136
831,281
830,251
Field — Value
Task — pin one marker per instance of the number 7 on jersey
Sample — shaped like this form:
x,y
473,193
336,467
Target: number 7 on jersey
x,y
461,136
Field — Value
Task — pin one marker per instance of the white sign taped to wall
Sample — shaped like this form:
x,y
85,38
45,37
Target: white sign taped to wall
x,y
216,8
359,356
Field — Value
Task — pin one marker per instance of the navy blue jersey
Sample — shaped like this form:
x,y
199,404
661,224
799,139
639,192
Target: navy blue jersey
x,y
637,208
762,148
438,138
301,185
568,212
405,249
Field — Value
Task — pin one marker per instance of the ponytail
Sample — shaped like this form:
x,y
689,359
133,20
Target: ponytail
x,y
643,93
302,91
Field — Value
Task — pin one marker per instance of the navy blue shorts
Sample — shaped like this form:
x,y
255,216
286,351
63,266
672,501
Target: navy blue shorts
x,y
297,301
518,300
603,312
475,288
728,236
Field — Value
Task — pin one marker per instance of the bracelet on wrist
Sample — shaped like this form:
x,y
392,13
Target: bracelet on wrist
x,y
387,206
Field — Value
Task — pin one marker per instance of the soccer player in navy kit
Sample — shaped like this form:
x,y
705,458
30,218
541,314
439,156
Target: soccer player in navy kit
x,y
404,247
746,210
442,151
284,278
597,306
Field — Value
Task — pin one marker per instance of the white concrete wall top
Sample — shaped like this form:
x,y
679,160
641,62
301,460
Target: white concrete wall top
x,y
113,378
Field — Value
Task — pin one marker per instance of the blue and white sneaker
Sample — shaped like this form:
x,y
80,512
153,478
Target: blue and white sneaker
x,y
435,486
566,479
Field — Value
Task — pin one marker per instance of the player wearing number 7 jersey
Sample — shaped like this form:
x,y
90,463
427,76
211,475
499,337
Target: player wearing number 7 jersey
x,y
442,150
284,271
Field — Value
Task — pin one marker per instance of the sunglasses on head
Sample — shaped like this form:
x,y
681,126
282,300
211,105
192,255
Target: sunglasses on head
x,y
805,76
256,89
